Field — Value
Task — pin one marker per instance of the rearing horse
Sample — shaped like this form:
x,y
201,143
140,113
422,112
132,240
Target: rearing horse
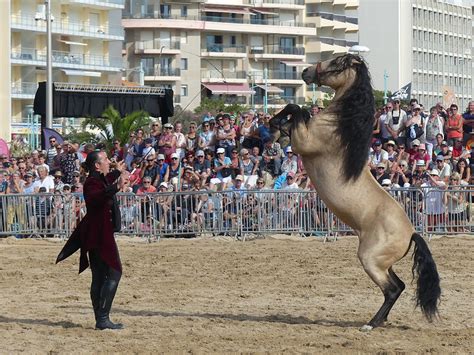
x,y
334,147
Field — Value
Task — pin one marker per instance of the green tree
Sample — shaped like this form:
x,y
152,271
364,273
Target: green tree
x,y
81,136
112,126
378,96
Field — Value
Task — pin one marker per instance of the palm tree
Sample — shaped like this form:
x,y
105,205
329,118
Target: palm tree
x,y
112,126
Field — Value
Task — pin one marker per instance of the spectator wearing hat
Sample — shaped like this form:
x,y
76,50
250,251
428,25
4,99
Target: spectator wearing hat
x,y
167,142
238,186
395,122
391,151
222,167
419,167
291,181
443,168
290,161
421,154
162,168
175,170
377,155
202,167
453,125
446,152
434,127
249,168
148,150
226,135
413,151
386,184
28,187
381,172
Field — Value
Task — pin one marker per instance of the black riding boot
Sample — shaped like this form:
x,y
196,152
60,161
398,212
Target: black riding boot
x,y
107,295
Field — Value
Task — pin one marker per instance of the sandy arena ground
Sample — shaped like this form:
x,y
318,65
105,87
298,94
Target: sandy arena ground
x,y
207,295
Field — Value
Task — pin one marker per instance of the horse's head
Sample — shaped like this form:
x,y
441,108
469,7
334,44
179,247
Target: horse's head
x,y
333,73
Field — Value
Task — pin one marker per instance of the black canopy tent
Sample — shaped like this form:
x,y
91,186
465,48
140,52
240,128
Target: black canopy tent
x,y
83,100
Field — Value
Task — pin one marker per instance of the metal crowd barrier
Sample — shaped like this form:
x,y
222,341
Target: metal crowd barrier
x,y
233,213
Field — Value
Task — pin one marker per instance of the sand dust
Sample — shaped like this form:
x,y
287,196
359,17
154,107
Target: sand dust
x,y
207,295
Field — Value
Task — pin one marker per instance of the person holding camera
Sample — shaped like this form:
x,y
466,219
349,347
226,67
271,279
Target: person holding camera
x,y
94,235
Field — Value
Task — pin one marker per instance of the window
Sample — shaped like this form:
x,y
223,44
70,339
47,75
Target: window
x,y
184,90
184,11
184,63
184,37
165,11
233,40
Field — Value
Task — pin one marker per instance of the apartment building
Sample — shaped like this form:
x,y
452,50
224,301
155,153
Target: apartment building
x,y
87,38
337,29
246,51
425,42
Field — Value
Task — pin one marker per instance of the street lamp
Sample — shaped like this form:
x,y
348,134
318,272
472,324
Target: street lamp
x,y
385,77
45,15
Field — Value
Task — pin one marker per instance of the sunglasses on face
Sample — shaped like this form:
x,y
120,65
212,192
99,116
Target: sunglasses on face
x,y
161,160
149,160
147,182
174,158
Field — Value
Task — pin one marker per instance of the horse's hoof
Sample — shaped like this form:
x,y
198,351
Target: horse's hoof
x,y
366,328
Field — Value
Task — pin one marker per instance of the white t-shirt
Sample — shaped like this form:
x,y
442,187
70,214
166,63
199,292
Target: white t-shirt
x,y
48,182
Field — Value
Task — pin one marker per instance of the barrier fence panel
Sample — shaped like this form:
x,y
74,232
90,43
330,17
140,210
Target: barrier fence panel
x,y
233,213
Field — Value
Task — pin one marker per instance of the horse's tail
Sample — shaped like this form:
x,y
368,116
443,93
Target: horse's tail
x,y
428,290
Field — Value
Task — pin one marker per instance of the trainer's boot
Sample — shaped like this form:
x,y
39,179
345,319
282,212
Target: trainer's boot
x,y
107,295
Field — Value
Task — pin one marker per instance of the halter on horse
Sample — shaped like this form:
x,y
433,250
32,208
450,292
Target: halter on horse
x,y
334,147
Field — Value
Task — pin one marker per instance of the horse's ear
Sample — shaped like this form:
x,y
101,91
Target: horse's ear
x,y
355,61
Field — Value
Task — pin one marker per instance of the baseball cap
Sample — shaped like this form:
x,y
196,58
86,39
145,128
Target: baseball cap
x,y
390,142
377,142
420,162
415,142
434,172
386,182
289,150
416,107
292,174
220,150
168,125
444,143
200,153
164,184
439,158
161,157
381,165
174,155
239,177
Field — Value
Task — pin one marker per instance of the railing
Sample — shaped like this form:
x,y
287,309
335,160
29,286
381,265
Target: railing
x,y
238,213
223,74
283,75
336,41
60,57
157,44
333,17
83,28
285,50
162,72
220,48
24,88
101,2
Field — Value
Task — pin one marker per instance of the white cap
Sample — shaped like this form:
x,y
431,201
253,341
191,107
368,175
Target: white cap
x,y
386,182
174,155
220,150
420,162
160,157
434,172
164,184
239,177
288,149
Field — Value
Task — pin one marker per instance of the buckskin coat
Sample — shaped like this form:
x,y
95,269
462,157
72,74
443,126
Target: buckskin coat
x,y
96,230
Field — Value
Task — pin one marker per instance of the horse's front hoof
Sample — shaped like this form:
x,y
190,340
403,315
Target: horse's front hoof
x,y
366,328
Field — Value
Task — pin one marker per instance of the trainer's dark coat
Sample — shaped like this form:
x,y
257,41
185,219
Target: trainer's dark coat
x,y
96,230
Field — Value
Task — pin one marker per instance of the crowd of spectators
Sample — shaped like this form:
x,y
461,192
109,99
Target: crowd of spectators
x,y
227,152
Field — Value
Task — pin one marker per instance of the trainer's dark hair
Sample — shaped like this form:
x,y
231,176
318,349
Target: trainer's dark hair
x,y
92,158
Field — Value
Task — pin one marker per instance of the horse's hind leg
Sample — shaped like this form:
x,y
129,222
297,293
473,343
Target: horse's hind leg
x,y
391,286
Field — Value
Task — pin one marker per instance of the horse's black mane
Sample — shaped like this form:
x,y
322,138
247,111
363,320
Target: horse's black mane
x,y
355,111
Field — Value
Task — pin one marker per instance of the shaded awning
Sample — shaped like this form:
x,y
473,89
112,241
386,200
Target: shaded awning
x,y
271,89
229,89
295,63
95,74
264,12
227,10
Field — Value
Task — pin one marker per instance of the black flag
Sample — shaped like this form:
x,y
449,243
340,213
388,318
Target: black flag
x,y
403,93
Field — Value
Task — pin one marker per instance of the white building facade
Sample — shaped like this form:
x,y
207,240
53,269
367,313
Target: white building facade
x,y
425,42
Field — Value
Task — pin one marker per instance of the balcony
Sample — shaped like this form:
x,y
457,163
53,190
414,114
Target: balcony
x,y
335,21
163,74
30,56
157,47
221,51
215,76
218,23
330,44
101,4
285,4
23,90
65,27
277,52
